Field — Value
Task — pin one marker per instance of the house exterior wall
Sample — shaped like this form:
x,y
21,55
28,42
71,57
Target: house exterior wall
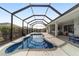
x,y
67,23
70,18
76,26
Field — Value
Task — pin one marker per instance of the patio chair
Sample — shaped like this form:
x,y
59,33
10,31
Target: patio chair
x,y
73,38
76,40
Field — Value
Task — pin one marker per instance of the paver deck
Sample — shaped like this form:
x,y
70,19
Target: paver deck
x,y
64,49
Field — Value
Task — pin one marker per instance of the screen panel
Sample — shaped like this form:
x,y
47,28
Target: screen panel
x,y
5,26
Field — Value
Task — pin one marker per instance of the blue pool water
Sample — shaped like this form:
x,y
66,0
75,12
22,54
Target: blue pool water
x,y
33,41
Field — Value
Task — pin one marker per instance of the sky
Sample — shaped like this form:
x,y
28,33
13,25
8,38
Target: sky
x,y
39,26
5,17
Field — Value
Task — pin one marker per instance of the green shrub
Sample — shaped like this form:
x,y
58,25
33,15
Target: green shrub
x,y
5,30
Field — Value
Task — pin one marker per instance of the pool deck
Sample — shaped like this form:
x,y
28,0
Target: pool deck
x,y
63,48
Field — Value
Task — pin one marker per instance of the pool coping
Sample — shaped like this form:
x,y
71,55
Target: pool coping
x,y
4,47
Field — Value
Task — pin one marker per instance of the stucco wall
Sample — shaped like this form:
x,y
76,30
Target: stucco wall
x,y
76,26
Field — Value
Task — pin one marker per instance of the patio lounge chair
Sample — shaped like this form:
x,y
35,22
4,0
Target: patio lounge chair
x,y
73,38
76,40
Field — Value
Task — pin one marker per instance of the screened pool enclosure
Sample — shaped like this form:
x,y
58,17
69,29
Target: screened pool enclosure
x,y
19,19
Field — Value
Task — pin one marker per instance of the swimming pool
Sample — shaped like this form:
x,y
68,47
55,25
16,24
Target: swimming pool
x,y
34,41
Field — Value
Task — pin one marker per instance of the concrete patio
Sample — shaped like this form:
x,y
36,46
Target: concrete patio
x,y
63,49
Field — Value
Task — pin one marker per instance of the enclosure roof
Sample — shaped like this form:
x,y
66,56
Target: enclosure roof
x,y
30,12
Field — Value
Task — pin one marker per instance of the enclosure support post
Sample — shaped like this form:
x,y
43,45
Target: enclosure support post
x,y
11,27
22,28
32,28
27,28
